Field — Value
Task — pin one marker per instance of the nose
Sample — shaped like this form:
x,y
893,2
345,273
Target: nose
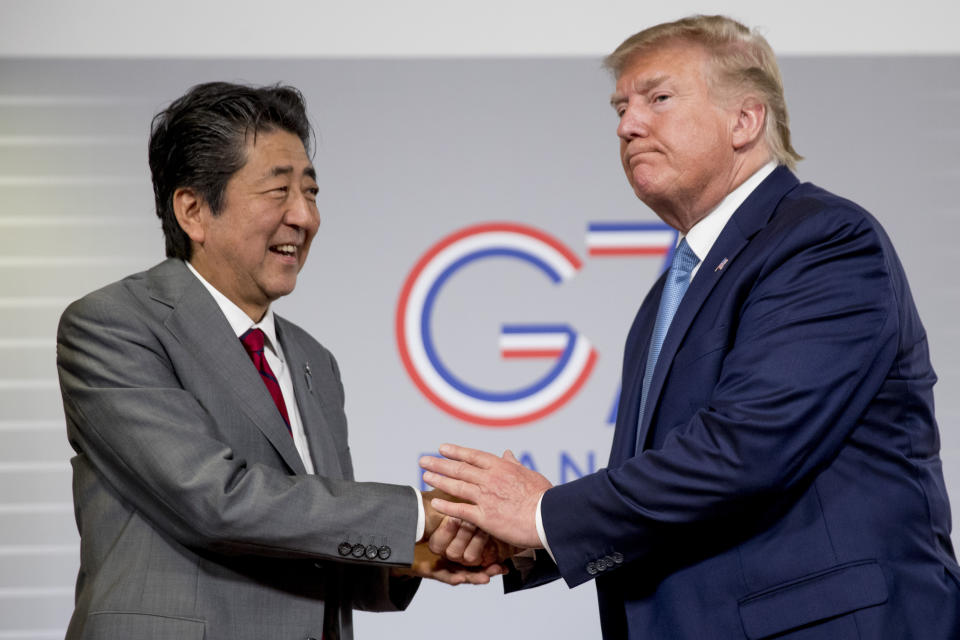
x,y
302,213
633,123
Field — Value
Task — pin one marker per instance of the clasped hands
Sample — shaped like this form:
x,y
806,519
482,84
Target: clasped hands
x,y
481,512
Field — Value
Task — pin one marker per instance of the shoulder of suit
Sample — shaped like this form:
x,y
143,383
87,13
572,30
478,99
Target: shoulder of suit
x,y
161,282
810,216
809,203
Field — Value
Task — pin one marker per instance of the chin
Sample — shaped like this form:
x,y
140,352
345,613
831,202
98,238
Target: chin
x,y
642,184
644,191
281,289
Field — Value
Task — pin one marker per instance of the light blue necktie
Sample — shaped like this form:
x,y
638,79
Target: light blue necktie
x,y
678,279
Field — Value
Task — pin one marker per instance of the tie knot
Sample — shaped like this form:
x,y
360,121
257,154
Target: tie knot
x,y
684,259
253,340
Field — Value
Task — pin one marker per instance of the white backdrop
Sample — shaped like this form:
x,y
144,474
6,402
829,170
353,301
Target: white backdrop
x,y
440,28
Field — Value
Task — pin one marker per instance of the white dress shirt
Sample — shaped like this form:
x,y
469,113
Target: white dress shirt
x,y
701,239
240,322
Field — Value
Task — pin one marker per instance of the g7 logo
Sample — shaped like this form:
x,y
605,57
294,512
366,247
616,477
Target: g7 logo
x,y
574,355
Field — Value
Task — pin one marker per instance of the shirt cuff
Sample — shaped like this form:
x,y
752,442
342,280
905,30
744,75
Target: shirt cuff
x,y
421,516
540,532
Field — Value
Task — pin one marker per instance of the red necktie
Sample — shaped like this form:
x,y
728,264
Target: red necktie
x,y
253,342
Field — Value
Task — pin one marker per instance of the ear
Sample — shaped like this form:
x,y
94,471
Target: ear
x,y
189,208
749,125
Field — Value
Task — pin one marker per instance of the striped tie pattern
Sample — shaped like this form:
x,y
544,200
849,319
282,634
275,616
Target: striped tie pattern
x,y
253,342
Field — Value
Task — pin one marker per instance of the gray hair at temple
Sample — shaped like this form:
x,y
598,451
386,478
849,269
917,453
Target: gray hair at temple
x,y
741,62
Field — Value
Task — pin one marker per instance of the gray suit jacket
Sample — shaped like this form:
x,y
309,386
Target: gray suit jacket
x,y
196,516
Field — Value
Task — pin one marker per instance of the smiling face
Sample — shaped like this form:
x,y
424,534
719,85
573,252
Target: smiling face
x,y
253,250
676,143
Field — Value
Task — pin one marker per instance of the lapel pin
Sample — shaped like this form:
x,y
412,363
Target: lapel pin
x,y
720,266
308,376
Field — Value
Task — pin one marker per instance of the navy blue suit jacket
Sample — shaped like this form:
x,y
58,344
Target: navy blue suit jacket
x,y
789,481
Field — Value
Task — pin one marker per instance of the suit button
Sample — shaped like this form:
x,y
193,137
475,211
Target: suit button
x,y
592,568
384,552
372,552
345,548
617,558
358,550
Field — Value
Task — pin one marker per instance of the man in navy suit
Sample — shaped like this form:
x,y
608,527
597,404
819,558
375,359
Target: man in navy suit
x,y
775,468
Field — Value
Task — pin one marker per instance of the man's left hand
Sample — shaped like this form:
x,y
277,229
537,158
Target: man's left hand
x,y
504,493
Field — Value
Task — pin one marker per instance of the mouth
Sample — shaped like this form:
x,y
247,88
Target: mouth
x,y
638,156
286,250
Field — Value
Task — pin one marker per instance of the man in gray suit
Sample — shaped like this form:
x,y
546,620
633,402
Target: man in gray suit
x,y
213,485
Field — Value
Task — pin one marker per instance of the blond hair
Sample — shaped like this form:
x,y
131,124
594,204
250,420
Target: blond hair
x,y
741,61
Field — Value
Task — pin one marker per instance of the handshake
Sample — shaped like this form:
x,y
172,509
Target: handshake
x,y
481,512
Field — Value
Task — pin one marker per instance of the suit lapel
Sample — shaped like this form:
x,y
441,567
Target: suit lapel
x,y
323,450
199,324
634,362
746,221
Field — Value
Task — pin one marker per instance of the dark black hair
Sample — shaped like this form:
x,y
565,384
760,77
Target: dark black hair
x,y
200,140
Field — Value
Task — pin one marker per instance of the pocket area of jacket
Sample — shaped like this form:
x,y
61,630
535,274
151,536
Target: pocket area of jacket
x,y
819,596
124,624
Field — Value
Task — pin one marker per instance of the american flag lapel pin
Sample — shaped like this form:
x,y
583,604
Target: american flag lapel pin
x,y
720,266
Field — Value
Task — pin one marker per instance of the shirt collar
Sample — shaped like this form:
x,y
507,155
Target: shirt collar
x,y
704,234
239,321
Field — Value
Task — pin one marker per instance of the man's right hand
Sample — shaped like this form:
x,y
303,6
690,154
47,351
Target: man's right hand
x,y
458,541
464,543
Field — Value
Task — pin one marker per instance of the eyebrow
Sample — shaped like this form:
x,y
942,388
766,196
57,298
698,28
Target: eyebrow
x,y
288,170
644,87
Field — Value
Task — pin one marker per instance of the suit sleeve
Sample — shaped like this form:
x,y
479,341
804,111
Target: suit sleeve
x,y
537,571
815,337
158,448
370,588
